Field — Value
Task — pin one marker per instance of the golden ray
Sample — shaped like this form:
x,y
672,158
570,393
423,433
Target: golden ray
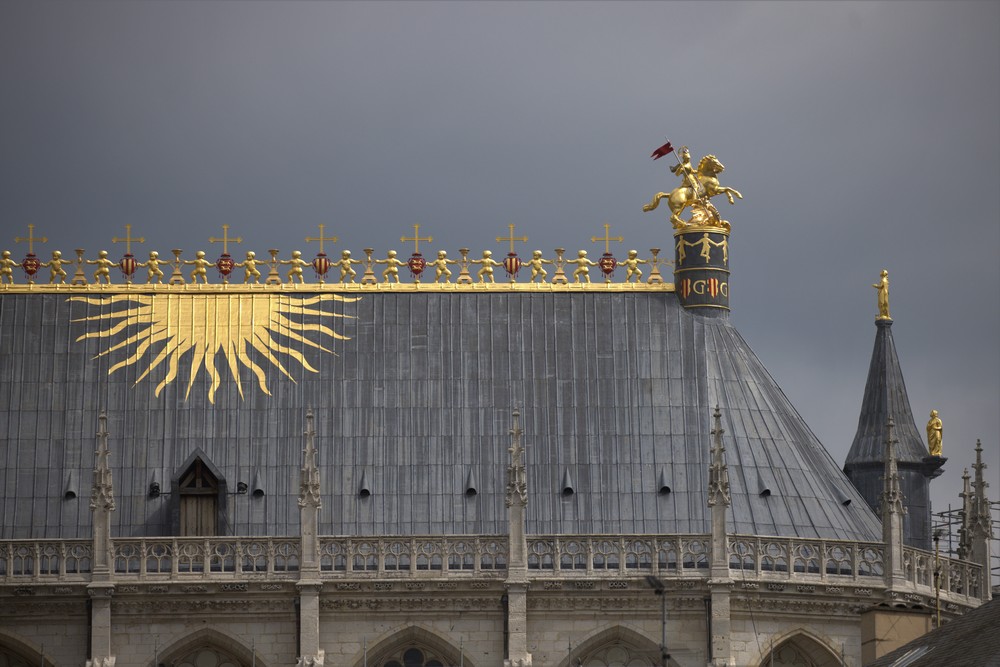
x,y
171,325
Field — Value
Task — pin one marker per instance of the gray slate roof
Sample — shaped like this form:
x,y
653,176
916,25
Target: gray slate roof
x,y
971,640
616,392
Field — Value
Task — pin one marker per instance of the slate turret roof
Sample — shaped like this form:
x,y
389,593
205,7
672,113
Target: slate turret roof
x,y
885,396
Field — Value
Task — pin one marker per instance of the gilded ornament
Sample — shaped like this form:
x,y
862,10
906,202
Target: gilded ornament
x,y
487,269
347,274
209,325
176,276
935,432
249,266
103,272
200,267
536,261
698,186
583,265
79,277
56,267
441,267
883,296
295,273
153,268
7,269
631,265
392,268
560,275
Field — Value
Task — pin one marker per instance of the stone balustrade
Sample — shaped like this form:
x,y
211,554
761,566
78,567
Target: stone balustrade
x,y
751,559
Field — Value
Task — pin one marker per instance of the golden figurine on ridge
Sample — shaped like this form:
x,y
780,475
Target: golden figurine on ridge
x,y
698,186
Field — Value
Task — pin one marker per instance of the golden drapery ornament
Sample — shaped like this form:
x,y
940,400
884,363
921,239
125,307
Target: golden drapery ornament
x,y
698,186
883,295
935,433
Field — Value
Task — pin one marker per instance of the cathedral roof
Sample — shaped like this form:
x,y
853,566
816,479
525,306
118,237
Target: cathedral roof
x,y
413,394
885,396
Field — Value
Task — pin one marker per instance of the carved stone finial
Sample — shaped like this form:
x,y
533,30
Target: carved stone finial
x,y
892,494
979,521
964,537
517,479
718,471
102,495
309,487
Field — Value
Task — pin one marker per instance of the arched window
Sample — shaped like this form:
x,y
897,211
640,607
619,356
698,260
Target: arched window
x,y
617,655
207,657
414,657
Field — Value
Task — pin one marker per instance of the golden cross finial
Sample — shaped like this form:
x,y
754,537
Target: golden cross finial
x,y
416,239
332,239
128,239
607,238
225,239
512,238
30,239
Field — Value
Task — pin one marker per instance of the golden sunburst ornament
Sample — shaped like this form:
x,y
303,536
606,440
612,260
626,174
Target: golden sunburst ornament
x,y
170,325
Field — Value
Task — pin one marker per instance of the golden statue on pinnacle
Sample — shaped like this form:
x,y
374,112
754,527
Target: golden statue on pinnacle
x,y
698,185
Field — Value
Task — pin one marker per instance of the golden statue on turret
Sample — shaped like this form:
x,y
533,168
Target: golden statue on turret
x,y
698,186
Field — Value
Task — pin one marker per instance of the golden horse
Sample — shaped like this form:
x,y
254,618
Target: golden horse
x,y
684,196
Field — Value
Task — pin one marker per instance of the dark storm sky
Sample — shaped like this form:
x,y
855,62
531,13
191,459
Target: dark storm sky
x,y
862,135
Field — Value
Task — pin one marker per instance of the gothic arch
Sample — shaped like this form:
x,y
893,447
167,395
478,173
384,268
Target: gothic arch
x,y
416,636
798,648
639,646
15,651
208,639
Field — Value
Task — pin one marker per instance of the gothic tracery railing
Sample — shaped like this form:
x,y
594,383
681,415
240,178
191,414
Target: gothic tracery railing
x,y
750,558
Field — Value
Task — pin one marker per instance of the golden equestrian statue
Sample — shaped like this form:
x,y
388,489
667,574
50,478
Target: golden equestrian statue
x,y
697,188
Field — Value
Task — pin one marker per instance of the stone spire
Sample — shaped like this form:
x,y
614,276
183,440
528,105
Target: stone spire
x,y
102,498
101,588
309,585
980,529
885,396
892,510
720,582
309,497
718,471
963,530
517,566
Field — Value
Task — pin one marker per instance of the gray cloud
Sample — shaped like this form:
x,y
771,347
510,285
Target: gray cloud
x,y
863,135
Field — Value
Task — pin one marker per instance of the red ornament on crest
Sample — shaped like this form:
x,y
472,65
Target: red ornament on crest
x,y
416,264
31,264
321,264
512,264
225,264
128,265
608,264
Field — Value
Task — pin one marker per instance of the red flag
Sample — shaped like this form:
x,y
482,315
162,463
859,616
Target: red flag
x,y
665,149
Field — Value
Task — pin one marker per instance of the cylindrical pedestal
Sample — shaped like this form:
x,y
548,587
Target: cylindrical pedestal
x,y
701,270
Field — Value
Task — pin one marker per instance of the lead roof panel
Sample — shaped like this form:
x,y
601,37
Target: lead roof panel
x,y
613,387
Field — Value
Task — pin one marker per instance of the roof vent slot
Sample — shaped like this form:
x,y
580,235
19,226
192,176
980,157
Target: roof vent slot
x,y
567,484
257,490
765,482
842,495
365,489
471,485
70,492
663,484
